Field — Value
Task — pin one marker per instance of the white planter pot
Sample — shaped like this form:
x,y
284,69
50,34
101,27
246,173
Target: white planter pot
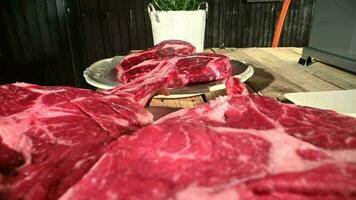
x,y
182,25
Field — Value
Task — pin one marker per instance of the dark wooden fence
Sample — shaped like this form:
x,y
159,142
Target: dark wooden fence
x,y
51,42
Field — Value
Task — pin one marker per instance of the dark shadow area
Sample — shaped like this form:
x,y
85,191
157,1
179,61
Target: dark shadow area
x,y
22,72
260,79
160,111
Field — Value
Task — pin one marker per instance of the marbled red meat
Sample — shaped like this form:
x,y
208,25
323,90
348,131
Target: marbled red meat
x,y
165,49
236,147
198,68
51,136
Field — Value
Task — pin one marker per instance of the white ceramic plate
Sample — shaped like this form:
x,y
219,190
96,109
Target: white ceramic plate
x,y
342,101
102,75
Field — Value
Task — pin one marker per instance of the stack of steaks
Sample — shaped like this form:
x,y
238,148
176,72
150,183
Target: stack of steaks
x,y
70,143
197,68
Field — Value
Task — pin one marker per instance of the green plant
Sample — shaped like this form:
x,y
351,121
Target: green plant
x,y
177,4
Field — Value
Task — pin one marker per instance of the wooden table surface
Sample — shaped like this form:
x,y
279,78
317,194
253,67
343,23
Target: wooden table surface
x,y
277,72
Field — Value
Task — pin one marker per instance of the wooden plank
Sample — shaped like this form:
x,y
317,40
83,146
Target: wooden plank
x,y
208,51
292,72
262,26
8,47
209,27
60,58
319,70
258,25
41,16
251,22
138,14
124,21
37,62
216,22
240,24
332,75
58,15
267,82
148,28
293,28
106,29
11,31
115,33
19,20
50,70
134,41
213,95
234,22
94,18
228,23
329,78
264,80
296,50
189,102
287,22
33,27
70,24
272,19
89,38
299,18
245,25
306,21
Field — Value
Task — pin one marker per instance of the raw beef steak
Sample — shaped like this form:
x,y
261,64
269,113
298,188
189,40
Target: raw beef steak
x,y
164,75
236,147
198,68
9,159
57,134
164,49
61,132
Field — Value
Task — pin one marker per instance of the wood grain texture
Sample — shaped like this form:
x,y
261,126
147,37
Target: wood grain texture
x,y
277,72
35,42
52,42
188,102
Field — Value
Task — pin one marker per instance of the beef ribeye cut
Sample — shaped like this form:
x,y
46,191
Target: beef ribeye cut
x,y
167,48
198,68
51,136
237,147
60,132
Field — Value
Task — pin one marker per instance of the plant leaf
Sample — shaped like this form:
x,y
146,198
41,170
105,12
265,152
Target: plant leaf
x,y
177,4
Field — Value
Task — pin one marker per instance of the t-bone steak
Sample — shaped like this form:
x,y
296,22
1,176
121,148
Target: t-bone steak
x,y
237,147
198,68
51,136
167,48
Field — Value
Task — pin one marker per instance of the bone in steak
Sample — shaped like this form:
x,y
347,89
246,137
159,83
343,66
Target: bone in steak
x,y
57,133
198,68
164,75
237,147
168,48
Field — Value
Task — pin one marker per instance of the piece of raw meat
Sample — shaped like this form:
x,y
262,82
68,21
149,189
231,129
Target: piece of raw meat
x,y
9,159
198,68
61,132
168,48
164,75
237,147
235,87
57,134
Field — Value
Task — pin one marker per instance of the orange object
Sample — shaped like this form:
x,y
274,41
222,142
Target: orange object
x,y
282,16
